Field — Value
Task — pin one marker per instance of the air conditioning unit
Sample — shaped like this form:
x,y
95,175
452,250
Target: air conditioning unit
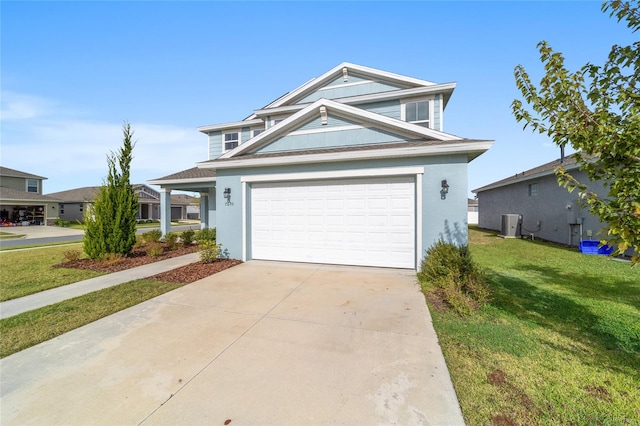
x,y
510,225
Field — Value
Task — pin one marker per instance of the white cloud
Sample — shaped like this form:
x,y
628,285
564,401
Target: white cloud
x,y
17,106
71,152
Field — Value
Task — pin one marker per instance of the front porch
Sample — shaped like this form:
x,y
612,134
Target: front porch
x,y
200,181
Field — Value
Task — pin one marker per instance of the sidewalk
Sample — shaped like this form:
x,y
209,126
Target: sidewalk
x,y
13,307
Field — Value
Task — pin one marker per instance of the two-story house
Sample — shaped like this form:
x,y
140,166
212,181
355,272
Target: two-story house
x,y
352,167
21,199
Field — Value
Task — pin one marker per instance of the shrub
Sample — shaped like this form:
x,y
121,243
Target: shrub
x,y
171,239
449,273
152,236
187,237
111,259
210,251
71,255
61,222
206,234
155,249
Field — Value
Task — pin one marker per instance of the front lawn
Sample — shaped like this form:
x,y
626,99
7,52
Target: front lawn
x,y
559,343
26,272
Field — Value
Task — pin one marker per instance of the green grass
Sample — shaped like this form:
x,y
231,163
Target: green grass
x,y
558,344
9,236
26,272
30,328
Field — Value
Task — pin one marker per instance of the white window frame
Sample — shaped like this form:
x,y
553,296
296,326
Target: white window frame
x,y
224,141
403,111
37,186
254,134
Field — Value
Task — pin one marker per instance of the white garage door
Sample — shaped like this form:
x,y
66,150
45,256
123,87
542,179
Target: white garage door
x,y
369,222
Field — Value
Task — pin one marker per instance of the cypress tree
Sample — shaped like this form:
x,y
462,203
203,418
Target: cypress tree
x,y
111,223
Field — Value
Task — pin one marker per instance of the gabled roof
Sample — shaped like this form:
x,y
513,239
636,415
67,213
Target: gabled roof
x,y
383,122
569,162
14,195
87,194
316,83
84,194
6,171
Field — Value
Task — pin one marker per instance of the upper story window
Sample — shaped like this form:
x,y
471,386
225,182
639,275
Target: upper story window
x,y
256,132
32,185
416,112
533,190
231,140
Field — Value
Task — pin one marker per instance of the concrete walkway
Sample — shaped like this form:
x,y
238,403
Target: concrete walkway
x,y
262,343
58,294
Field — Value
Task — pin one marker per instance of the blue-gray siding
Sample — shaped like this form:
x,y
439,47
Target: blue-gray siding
x,y
441,218
348,90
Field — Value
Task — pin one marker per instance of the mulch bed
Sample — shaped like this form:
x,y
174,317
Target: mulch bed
x,y
138,257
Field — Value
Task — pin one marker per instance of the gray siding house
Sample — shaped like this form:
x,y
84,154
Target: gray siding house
x,y
21,199
75,202
352,167
548,210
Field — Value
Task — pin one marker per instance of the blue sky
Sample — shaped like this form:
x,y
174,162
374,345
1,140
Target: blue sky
x,y
73,72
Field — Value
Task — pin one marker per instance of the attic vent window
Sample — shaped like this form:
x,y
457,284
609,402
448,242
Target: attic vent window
x,y
323,115
345,74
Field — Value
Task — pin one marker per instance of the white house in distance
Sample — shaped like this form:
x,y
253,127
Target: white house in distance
x,y
352,167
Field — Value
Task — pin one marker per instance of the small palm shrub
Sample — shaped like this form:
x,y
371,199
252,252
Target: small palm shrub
x,y
206,234
449,275
187,237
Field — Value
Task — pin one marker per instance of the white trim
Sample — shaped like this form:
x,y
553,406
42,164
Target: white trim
x,y
335,72
174,181
239,133
353,113
372,97
244,221
346,85
336,174
429,150
418,220
403,110
232,125
326,130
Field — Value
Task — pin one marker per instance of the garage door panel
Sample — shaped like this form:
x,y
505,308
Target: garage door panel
x,y
355,222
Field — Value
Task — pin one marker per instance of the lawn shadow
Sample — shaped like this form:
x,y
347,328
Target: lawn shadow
x,y
562,315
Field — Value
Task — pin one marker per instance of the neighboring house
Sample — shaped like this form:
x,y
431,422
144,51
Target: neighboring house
x,y
548,211
75,202
472,211
21,199
352,167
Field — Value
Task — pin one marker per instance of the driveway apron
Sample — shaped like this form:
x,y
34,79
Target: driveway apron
x,y
261,343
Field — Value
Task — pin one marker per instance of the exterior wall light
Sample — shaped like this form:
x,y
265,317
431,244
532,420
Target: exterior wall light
x,y
444,189
227,194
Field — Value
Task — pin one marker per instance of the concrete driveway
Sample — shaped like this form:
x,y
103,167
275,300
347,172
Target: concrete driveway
x,y
261,343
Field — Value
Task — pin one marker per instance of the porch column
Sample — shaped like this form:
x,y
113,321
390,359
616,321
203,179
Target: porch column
x,y
165,211
149,212
204,207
